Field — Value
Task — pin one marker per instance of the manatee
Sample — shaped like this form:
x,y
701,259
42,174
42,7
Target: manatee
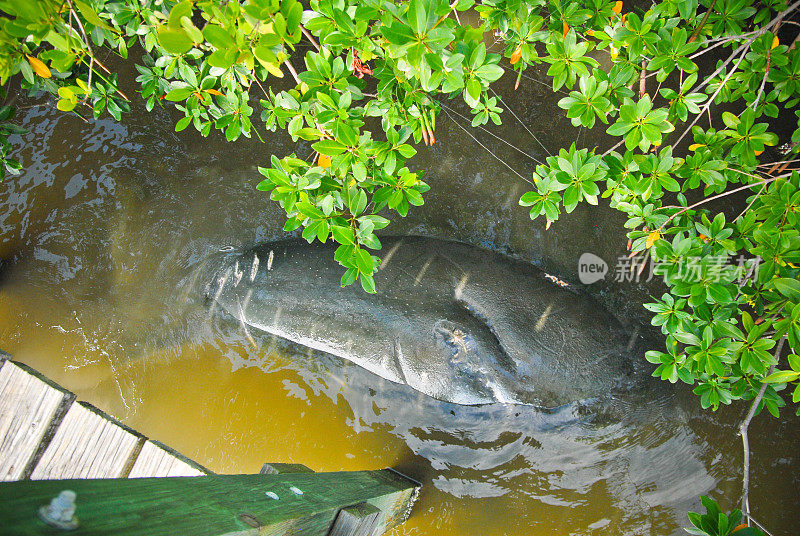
x,y
455,322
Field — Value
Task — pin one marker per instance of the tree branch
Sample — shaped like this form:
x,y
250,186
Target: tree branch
x,y
291,70
309,37
696,31
744,48
745,439
723,194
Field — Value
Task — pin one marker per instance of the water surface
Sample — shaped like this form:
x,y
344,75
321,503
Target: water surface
x,y
104,235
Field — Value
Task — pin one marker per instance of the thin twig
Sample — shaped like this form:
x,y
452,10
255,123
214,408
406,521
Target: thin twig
x,y
620,142
734,54
719,42
559,90
766,73
696,31
777,20
291,70
721,85
519,120
767,164
452,7
742,213
643,80
759,525
745,439
310,37
73,15
445,106
476,140
723,194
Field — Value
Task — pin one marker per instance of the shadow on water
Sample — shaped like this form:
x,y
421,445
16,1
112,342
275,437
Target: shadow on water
x,y
109,225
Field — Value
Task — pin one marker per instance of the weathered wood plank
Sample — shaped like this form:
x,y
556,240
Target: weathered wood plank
x,y
357,520
213,505
365,519
155,459
30,407
88,444
395,508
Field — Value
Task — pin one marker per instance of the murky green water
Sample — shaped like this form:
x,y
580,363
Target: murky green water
x,y
105,230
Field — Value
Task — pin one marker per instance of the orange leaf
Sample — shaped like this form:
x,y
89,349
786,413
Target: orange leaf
x,y
213,92
740,527
617,7
775,42
39,67
324,161
516,55
565,29
199,96
651,238
759,152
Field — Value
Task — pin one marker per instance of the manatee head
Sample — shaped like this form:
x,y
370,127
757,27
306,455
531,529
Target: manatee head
x,y
230,271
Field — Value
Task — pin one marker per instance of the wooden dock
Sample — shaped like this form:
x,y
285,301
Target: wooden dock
x,y
45,434
127,483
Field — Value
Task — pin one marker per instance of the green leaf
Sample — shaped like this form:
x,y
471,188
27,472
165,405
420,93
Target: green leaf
x,y
367,283
782,376
329,147
349,277
178,94
218,37
414,197
92,17
174,40
788,287
489,73
473,92
264,54
343,235
687,338
66,105
364,261
418,16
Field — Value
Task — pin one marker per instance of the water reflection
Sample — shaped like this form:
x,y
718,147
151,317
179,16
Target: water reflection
x,y
105,233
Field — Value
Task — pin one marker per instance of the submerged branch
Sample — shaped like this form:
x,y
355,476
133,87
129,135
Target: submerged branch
x,y
745,439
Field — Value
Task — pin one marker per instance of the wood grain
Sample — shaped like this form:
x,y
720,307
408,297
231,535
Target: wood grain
x,y
88,444
157,460
211,505
28,407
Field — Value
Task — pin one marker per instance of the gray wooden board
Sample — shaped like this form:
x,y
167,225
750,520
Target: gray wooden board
x,y
88,444
28,406
358,520
157,460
